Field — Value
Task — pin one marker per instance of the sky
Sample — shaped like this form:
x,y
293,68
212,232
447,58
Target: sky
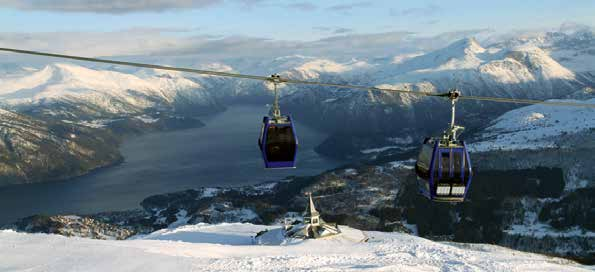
x,y
113,27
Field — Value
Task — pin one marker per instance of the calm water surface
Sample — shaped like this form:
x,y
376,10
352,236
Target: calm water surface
x,y
223,153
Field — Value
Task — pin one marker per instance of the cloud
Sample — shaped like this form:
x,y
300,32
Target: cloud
x,y
350,6
342,30
304,6
162,29
164,46
333,30
134,41
443,39
110,6
428,10
361,44
572,27
159,42
124,6
322,28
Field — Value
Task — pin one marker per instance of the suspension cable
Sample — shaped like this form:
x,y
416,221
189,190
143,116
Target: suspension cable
x,y
293,81
276,108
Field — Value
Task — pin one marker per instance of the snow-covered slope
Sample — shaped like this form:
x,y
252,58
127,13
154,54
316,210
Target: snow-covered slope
x,y
574,49
229,247
522,71
313,68
519,71
109,91
536,127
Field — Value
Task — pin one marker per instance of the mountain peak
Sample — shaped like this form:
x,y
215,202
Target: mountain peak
x,y
468,45
65,81
540,62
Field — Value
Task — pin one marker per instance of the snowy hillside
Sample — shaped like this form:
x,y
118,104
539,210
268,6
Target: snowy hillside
x,y
312,69
229,247
574,49
535,127
520,71
112,92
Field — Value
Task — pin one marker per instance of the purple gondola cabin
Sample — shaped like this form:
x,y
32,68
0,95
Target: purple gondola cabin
x,y
278,142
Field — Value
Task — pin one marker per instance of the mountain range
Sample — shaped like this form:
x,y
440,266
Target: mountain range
x,y
533,186
520,67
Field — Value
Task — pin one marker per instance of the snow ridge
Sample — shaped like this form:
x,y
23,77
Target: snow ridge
x,y
112,91
516,69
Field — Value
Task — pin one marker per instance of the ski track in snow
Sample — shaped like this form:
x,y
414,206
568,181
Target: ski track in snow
x,y
229,247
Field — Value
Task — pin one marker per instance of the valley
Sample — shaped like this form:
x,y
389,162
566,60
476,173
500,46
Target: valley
x,y
533,177
222,153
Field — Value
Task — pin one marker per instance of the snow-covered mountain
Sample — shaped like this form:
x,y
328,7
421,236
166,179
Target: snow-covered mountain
x,y
517,68
543,136
231,247
101,91
575,49
520,71
534,178
537,127
312,69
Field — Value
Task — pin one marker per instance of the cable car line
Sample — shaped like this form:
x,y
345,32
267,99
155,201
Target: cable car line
x,y
443,167
136,64
279,79
526,101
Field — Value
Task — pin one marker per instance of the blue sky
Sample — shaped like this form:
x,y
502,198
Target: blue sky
x,y
291,20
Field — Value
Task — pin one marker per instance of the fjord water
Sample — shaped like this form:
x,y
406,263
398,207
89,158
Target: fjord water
x,y
223,153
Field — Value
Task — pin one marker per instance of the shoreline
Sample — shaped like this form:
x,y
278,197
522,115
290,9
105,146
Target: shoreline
x,y
170,161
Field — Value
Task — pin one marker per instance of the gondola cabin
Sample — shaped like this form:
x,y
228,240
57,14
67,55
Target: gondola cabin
x,y
444,170
278,142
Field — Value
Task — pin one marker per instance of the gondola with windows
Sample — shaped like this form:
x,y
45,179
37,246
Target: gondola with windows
x,y
278,142
444,167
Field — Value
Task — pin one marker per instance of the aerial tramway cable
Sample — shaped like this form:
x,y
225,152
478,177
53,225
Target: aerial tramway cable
x,y
443,166
293,81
